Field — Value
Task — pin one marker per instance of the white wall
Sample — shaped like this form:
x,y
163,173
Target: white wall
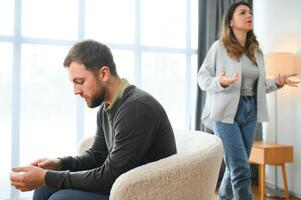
x,y
277,24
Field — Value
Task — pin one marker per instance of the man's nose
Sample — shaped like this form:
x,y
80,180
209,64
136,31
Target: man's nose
x,y
76,90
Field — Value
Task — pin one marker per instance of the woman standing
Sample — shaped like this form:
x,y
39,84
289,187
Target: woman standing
x,y
233,77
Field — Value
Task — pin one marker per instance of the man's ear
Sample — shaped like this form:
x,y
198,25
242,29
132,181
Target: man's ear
x,y
104,73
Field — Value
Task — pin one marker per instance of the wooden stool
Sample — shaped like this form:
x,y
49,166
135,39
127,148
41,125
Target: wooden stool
x,y
271,154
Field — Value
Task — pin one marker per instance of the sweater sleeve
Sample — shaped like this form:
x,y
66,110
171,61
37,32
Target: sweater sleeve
x,y
91,158
134,127
208,80
270,85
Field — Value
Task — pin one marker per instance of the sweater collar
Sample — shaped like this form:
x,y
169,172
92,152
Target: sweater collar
x,y
123,85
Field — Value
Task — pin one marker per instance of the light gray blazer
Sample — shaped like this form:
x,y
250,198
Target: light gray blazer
x,y
221,103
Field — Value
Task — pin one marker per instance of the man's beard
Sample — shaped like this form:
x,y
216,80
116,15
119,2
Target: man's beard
x,y
96,100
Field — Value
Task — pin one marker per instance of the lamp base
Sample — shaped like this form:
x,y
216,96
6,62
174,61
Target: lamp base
x,y
274,193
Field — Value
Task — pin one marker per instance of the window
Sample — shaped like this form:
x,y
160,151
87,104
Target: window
x,y
5,117
46,102
154,46
110,21
163,75
6,17
52,19
163,23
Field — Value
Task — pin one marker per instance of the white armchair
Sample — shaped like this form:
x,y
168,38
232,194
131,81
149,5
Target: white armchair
x,y
191,174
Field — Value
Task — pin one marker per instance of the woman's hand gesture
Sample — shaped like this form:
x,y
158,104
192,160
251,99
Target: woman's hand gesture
x,y
284,80
227,81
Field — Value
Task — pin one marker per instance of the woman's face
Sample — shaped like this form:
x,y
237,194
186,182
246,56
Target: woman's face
x,y
242,19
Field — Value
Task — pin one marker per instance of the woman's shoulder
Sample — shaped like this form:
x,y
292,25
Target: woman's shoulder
x,y
217,48
217,45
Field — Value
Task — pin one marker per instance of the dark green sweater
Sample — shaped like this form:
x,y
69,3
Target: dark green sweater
x,y
135,131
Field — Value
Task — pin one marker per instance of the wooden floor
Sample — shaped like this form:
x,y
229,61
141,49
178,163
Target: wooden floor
x,y
256,195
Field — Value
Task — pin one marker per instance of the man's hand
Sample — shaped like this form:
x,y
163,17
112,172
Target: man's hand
x,y
284,80
27,178
47,163
227,81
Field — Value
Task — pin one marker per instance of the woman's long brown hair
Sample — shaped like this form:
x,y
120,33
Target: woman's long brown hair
x,y
234,49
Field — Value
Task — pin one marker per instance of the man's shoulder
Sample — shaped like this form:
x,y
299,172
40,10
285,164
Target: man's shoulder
x,y
135,98
135,94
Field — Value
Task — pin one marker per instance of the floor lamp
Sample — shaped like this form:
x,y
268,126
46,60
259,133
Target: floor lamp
x,y
279,63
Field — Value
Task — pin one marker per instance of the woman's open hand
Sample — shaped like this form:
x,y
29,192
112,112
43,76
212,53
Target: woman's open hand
x,y
284,80
226,81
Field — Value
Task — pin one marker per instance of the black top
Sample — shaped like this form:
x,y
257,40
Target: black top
x,y
135,131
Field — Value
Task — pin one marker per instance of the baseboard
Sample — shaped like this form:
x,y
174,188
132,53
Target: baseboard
x,y
293,193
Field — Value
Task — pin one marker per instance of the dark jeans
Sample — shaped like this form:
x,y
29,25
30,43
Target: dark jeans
x,y
45,193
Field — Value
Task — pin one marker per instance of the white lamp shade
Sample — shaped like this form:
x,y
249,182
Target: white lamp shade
x,y
283,63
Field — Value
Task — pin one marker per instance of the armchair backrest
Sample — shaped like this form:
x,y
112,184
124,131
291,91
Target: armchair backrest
x,y
190,174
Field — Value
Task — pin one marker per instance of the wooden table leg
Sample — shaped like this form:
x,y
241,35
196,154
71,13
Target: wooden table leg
x,y
259,178
262,182
284,181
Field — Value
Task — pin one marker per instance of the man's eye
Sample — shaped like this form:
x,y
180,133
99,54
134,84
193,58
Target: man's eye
x,y
80,82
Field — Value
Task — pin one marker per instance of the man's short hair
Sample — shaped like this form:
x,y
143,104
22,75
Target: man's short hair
x,y
92,54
